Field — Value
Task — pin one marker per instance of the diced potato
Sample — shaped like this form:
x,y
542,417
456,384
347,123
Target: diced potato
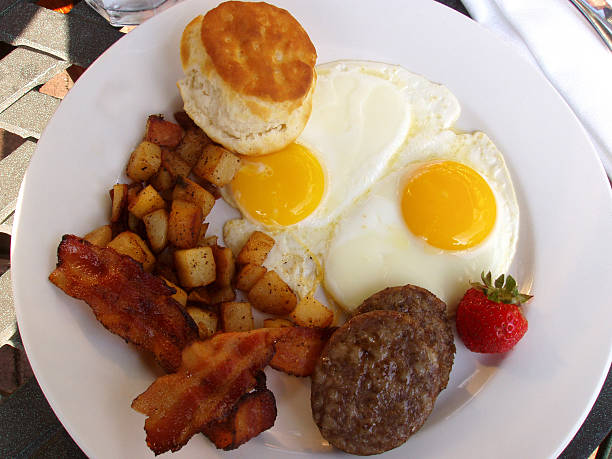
x,y
156,224
217,165
236,316
212,294
162,132
209,241
277,323
310,312
220,294
212,189
128,243
119,195
200,295
174,164
206,321
147,201
195,267
165,271
184,224
100,236
226,268
166,257
180,296
192,145
163,180
188,190
133,190
272,295
166,195
182,118
248,275
256,249
202,236
144,161
135,225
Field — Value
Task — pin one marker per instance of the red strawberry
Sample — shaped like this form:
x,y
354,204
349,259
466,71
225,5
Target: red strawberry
x,y
489,319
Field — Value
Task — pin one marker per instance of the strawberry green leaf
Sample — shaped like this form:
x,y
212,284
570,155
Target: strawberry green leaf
x,y
498,292
499,282
510,284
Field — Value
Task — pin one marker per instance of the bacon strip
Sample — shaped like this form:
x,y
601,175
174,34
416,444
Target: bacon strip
x,y
213,376
128,301
298,350
254,413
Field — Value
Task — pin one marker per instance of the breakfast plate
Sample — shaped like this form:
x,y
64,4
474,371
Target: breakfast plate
x,y
527,403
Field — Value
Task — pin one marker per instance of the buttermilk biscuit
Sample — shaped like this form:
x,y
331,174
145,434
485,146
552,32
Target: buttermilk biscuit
x,y
249,76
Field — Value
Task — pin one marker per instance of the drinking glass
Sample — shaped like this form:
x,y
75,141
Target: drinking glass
x,y
129,12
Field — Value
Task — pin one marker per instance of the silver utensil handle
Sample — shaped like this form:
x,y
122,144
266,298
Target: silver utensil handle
x,y
603,29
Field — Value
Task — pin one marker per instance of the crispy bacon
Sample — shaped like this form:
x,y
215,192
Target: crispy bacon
x,y
254,413
213,376
298,350
128,301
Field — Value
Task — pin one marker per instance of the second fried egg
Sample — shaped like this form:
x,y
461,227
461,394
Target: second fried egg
x,y
443,216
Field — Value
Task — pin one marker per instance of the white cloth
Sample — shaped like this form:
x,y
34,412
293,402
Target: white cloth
x,y
558,39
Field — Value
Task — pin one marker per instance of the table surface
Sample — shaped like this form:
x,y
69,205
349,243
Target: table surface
x,y
39,46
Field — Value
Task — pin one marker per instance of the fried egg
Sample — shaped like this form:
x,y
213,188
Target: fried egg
x,y
363,114
289,257
442,216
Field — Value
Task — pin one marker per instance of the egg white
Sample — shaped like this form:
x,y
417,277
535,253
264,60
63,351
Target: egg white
x,y
291,259
373,247
363,115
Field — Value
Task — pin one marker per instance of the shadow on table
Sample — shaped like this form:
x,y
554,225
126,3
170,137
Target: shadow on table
x,y
20,437
75,34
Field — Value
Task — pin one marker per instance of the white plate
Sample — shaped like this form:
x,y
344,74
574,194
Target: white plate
x,y
528,403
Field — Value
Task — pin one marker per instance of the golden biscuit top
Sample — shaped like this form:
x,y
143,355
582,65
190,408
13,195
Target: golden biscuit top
x,y
259,50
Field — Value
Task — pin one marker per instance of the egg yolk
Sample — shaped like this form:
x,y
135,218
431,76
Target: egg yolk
x,y
280,188
449,205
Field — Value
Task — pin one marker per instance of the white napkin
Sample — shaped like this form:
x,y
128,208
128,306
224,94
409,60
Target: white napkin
x,y
558,39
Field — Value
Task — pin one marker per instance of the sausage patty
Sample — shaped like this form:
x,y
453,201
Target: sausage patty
x,y
430,313
376,382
